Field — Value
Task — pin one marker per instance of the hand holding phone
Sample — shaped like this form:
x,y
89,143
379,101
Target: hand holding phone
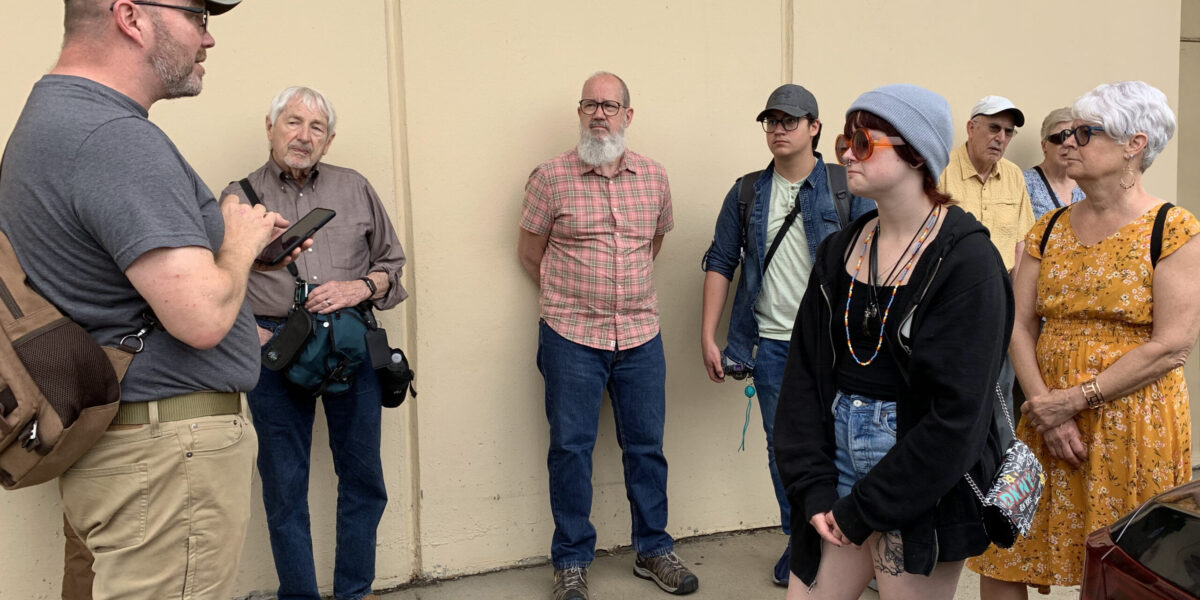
x,y
289,240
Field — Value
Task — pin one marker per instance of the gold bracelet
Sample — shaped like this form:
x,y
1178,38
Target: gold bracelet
x,y
1091,393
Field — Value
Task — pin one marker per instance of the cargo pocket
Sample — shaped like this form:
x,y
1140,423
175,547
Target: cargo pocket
x,y
107,506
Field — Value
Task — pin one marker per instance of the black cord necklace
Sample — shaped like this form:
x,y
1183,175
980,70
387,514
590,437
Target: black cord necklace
x,y
872,311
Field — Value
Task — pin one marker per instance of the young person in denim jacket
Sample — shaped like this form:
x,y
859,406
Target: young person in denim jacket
x,y
767,299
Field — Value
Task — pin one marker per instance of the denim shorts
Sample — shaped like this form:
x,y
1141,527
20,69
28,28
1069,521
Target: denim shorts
x,y
864,429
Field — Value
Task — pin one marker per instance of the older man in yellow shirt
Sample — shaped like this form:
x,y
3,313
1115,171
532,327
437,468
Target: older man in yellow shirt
x,y
985,183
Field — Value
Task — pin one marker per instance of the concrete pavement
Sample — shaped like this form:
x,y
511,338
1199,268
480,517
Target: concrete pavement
x,y
731,566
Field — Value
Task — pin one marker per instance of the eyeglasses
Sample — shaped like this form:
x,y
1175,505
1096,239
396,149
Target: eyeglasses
x,y
861,145
789,123
1083,133
200,12
996,128
589,107
1060,137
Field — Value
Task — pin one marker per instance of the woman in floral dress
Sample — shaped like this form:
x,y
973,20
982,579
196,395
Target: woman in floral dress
x,y
1107,408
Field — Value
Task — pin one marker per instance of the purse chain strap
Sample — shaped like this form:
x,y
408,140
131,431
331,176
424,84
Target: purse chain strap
x,y
1011,427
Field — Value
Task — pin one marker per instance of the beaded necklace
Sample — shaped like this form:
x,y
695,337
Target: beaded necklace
x,y
929,223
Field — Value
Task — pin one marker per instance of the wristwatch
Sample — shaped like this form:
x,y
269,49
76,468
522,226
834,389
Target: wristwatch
x,y
370,284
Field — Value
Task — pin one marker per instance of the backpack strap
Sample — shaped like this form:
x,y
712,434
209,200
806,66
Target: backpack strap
x,y
1156,234
1050,227
835,175
745,201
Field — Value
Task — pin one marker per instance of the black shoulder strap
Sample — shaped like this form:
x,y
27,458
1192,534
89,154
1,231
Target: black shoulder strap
x,y
250,195
1049,227
254,201
746,201
1156,234
835,175
1046,182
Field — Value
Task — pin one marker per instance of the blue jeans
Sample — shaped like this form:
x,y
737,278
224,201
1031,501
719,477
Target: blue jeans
x,y
768,377
864,429
576,377
284,421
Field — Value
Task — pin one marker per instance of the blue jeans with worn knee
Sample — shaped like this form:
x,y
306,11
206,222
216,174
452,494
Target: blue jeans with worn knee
x,y
769,362
864,429
284,421
576,377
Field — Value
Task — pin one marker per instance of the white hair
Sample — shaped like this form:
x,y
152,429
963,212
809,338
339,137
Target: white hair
x,y
311,98
1127,108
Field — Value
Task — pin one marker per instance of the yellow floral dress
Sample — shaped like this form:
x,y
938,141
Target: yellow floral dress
x,y
1097,302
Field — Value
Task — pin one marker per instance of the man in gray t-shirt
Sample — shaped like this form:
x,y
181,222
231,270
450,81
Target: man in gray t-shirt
x,y
114,227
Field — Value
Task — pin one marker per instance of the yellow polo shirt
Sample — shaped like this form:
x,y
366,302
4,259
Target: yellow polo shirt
x,y
1001,204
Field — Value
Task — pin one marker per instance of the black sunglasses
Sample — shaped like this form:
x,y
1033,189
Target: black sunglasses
x,y
1083,134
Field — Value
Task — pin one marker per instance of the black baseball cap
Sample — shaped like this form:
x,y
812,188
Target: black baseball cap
x,y
791,99
216,7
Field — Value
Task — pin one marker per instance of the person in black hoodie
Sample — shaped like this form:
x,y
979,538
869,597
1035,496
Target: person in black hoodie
x,y
888,394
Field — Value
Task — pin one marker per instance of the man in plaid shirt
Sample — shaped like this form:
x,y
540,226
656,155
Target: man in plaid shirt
x,y
593,221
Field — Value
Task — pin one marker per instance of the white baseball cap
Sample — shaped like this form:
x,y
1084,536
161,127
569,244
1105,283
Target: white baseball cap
x,y
991,105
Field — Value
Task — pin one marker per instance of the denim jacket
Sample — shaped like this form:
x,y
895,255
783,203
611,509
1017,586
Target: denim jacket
x,y
819,218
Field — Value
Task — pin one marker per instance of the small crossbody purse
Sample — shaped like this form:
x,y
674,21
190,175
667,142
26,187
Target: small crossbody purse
x,y
1012,499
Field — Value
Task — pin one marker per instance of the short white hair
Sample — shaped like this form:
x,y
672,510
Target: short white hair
x,y
311,98
1126,108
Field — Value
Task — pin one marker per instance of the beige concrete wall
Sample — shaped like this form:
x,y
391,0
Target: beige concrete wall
x,y
1188,140
447,105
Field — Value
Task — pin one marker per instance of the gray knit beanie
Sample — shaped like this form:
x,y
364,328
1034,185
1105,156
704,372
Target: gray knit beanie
x,y
922,117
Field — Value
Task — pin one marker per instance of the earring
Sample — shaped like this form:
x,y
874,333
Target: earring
x,y
1129,185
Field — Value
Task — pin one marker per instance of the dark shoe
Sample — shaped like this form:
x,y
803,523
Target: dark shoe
x,y
570,584
668,572
782,571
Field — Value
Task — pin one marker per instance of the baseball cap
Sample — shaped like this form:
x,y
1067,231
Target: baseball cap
x,y
990,105
216,7
792,100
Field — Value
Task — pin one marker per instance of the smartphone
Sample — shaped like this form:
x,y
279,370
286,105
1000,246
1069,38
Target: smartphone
x,y
301,230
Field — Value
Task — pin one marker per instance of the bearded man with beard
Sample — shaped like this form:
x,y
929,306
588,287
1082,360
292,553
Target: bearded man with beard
x,y
355,260
593,222
116,229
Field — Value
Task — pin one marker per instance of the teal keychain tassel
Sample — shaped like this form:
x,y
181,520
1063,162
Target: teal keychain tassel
x,y
749,391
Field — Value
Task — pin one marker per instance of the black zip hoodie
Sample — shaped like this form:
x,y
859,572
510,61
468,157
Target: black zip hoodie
x,y
956,328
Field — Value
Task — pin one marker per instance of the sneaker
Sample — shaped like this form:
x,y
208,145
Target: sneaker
x,y
668,572
782,569
570,584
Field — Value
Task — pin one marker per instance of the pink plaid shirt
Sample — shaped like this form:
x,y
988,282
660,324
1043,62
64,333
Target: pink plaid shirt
x,y
597,273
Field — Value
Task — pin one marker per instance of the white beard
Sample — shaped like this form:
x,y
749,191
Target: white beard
x,y
600,151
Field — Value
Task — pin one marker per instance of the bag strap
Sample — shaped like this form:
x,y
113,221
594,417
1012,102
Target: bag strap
x,y
745,201
1049,227
254,201
1008,417
783,229
1156,234
835,175
1046,182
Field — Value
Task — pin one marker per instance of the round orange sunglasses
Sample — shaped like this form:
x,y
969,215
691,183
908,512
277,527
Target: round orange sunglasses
x,y
861,145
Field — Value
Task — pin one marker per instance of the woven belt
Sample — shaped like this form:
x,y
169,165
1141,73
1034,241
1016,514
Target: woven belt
x,y
181,407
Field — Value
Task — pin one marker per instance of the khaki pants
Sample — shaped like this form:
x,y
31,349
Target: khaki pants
x,y
163,507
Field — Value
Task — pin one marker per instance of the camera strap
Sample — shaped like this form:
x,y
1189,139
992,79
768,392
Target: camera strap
x,y
254,201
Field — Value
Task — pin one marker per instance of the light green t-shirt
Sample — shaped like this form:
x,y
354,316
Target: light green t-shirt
x,y
787,275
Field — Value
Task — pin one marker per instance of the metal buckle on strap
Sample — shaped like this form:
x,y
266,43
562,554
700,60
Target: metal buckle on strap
x,y
180,408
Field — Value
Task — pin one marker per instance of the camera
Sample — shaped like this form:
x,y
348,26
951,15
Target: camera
x,y
735,369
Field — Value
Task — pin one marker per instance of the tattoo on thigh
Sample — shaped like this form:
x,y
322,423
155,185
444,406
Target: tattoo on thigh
x,y
889,554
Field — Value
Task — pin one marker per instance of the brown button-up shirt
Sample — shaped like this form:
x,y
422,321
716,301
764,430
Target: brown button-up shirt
x,y
359,240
